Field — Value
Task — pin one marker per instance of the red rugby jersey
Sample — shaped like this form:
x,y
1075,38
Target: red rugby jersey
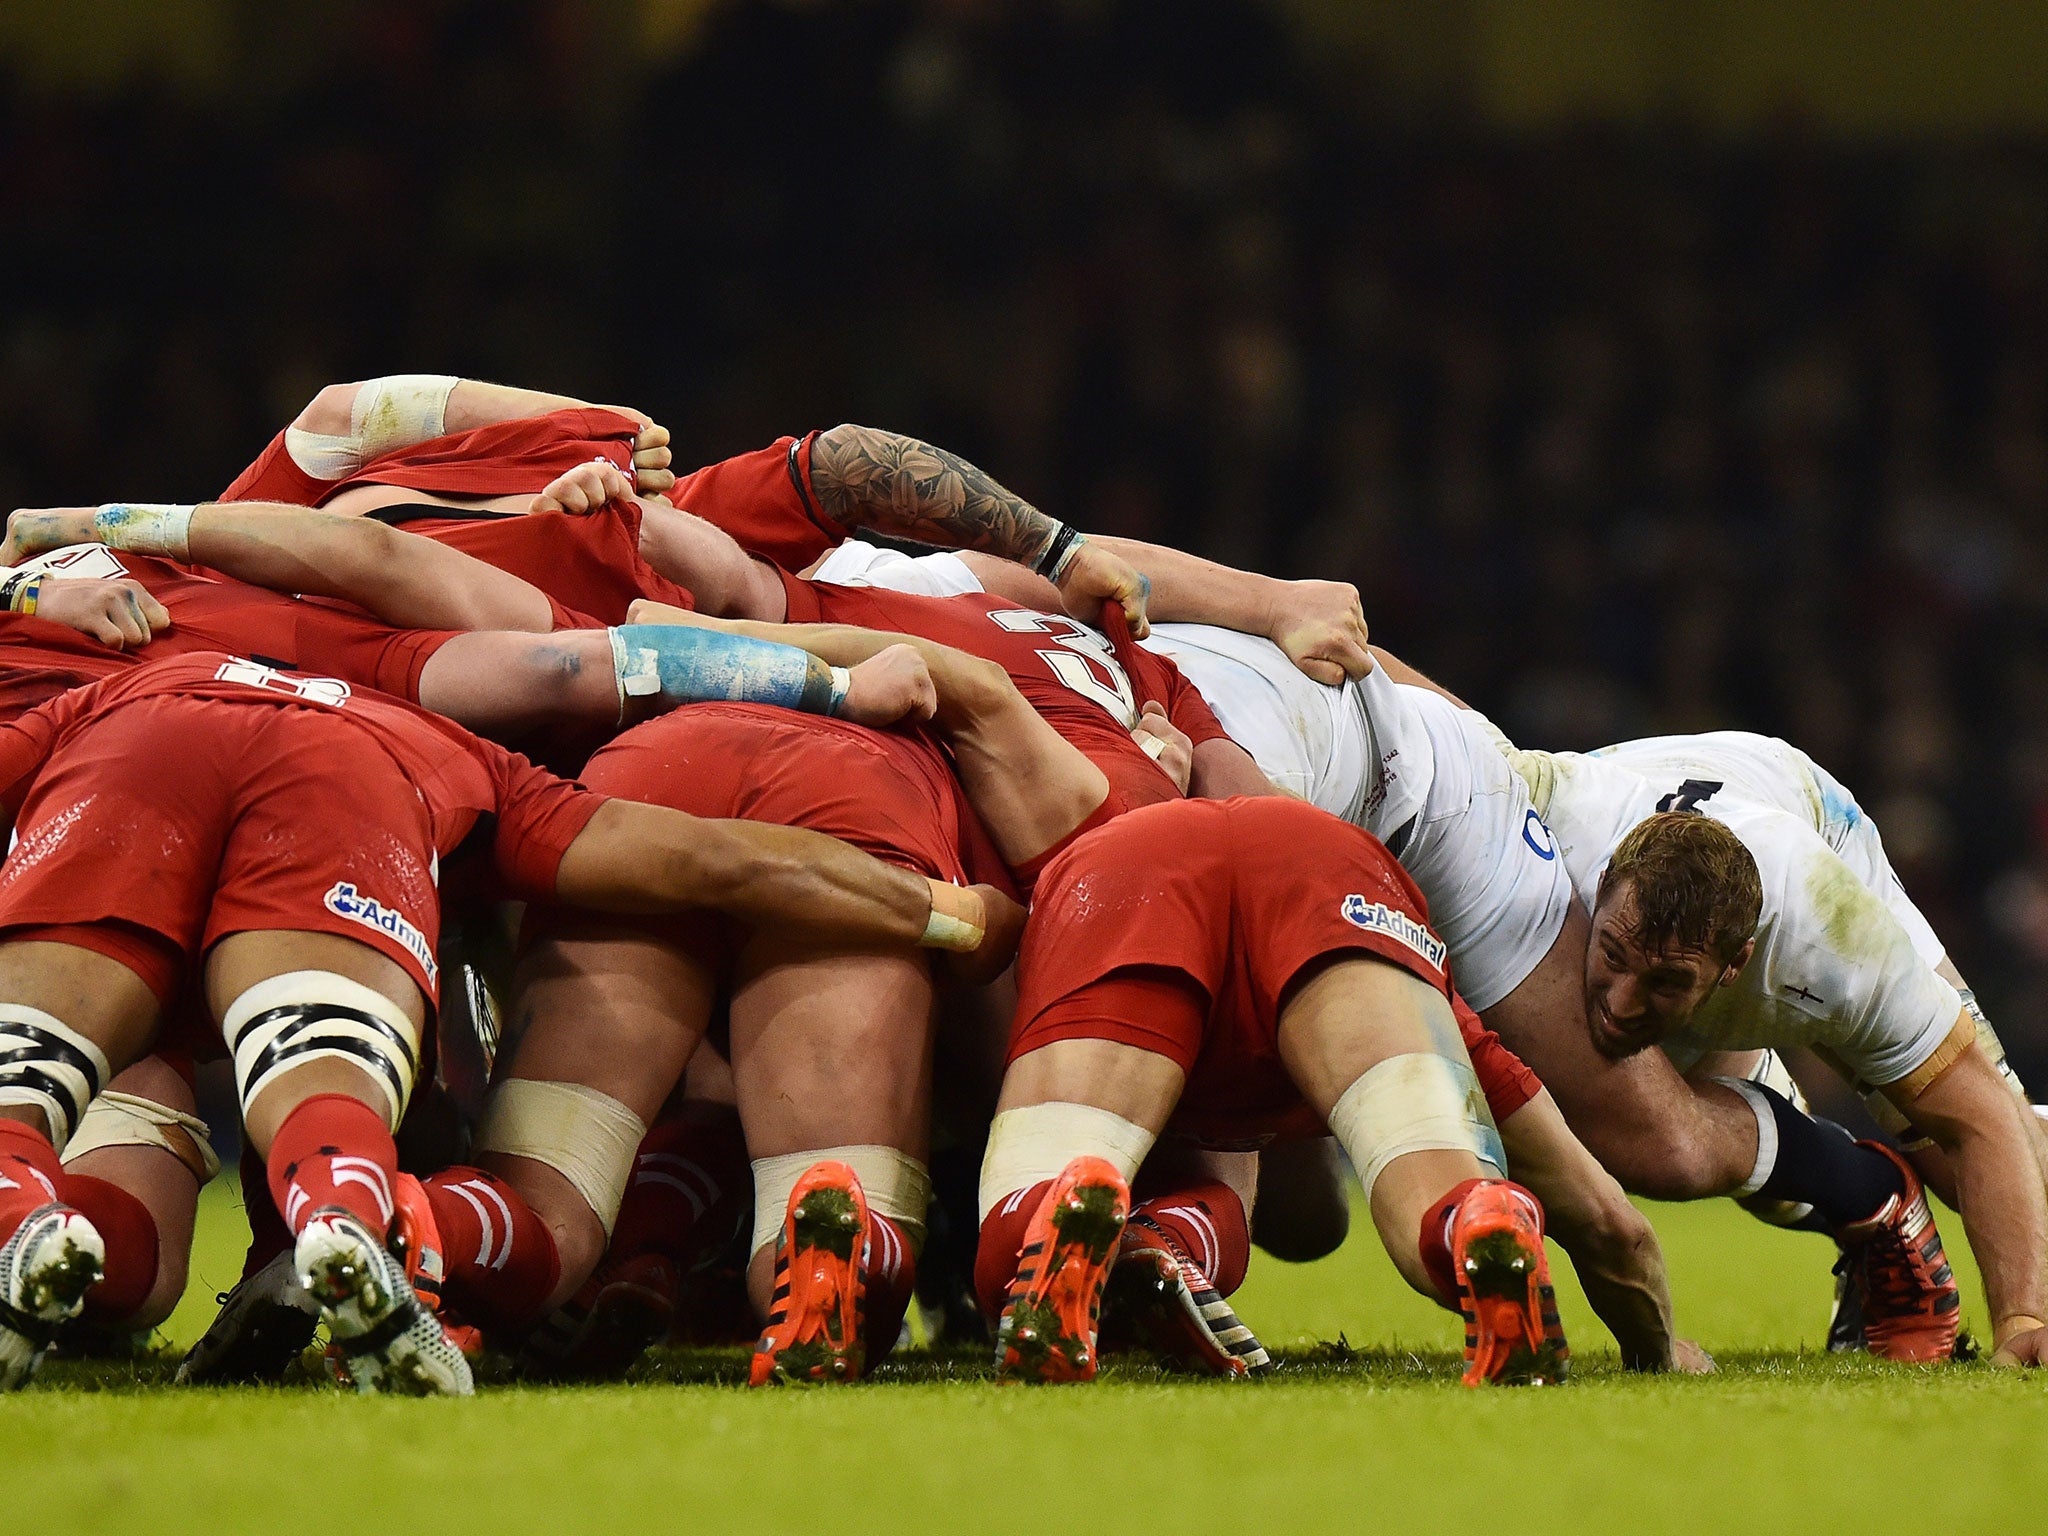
x,y
461,778
1070,674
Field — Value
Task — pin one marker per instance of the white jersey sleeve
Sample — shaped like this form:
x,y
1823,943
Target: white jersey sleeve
x,y
859,564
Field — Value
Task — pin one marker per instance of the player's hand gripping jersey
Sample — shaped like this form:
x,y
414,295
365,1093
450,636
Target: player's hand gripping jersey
x,y
1833,968
589,564
40,659
1068,672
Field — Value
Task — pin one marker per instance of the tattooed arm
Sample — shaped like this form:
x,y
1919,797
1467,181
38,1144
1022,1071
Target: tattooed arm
x,y
865,478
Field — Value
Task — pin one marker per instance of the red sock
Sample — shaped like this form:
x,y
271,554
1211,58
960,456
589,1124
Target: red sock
x,y
1002,1243
268,1235
1210,1223
334,1151
129,1231
891,1276
1435,1242
30,1173
500,1260
691,1187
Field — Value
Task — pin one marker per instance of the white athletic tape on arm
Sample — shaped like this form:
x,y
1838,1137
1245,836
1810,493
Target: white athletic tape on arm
x,y
49,1065
586,1136
302,1016
1033,1143
1416,1102
126,1120
895,1183
146,528
389,413
958,920
1766,1134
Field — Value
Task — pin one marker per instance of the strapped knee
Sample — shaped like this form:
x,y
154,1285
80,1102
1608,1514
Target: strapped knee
x,y
1031,1144
896,1184
126,1120
588,1137
48,1065
282,1024
1415,1102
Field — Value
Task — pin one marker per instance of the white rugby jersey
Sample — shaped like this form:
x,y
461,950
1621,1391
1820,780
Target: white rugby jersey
x,y
1833,968
1357,751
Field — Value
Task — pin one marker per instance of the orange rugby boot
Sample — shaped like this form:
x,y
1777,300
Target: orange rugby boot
x,y
1899,1271
1512,1332
1054,1310
819,1310
1158,1296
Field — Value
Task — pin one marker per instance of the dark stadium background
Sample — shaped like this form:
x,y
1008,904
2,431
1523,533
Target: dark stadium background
x,y
1648,367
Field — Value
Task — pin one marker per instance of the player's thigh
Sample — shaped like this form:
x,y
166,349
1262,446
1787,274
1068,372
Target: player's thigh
x,y
92,993
1129,1081
1353,1012
613,1008
832,1049
243,961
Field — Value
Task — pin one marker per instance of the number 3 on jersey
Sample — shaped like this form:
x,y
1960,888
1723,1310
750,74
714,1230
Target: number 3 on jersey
x,y
1689,794
1085,662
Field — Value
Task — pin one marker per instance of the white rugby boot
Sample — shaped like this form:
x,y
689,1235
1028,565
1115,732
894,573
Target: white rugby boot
x,y
385,1337
46,1267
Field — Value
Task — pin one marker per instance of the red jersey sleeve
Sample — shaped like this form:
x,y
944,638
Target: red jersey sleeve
x,y
539,816
1185,706
765,501
26,742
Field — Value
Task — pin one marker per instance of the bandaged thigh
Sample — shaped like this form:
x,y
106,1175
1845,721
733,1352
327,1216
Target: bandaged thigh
x,y
1415,1102
289,1020
127,1120
586,1136
895,1183
47,1065
1032,1143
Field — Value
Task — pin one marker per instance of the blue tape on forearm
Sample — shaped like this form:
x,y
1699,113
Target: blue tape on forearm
x,y
687,665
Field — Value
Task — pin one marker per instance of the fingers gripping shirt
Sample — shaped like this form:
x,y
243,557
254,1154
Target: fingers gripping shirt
x,y
1833,968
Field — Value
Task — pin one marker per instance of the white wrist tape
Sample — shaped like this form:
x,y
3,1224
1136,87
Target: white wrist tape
x,y
146,528
126,1120
1416,1102
586,1136
50,1066
281,1024
1033,1143
895,1183
958,920
388,414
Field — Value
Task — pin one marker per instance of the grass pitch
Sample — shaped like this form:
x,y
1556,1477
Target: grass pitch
x,y
1374,1434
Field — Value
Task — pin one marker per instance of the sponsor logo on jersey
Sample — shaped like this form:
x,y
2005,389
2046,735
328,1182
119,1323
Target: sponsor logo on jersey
x,y
1378,917
344,901
1538,837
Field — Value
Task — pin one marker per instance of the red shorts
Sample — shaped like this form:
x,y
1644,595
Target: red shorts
x,y
195,819
337,642
888,793
1238,897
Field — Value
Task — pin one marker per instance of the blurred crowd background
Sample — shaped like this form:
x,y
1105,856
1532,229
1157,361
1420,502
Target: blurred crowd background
x,y
1647,371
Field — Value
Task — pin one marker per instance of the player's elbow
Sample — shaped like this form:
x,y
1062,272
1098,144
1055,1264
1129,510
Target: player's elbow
x,y
330,411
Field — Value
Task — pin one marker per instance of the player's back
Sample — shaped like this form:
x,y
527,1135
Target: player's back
x,y
1068,672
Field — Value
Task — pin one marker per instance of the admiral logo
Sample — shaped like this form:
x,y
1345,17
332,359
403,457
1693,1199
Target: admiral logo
x,y
1378,917
343,901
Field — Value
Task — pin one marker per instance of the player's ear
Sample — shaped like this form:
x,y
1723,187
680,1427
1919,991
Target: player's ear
x,y
1734,968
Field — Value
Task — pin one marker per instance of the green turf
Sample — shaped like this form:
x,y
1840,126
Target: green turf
x,y
1375,1437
